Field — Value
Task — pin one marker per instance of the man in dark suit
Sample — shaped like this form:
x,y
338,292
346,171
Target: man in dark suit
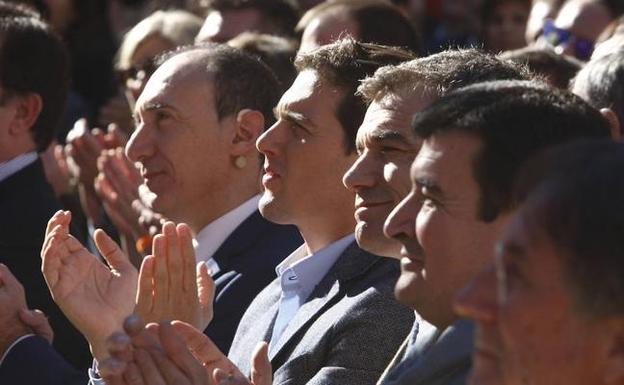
x,y
386,141
320,319
475,139
33,89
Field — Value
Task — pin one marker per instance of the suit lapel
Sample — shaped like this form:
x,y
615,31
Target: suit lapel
x,y
450,352
241,239
352,263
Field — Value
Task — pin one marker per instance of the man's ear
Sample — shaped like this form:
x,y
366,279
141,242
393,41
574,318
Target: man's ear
x,y
249,126
614,123
27,109
614,368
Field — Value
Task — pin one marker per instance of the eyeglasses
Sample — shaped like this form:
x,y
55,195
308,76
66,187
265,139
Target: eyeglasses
x,y
556,36
139,72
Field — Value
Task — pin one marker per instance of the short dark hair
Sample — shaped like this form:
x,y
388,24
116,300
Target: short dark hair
x,y
601,83
440,73
240,79
556,69
343,64
378,22
574,199
34,60
280,15
513,119
275,51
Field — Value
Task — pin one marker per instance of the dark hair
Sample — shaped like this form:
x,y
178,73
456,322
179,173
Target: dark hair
x,y
34,60
240,79
513,119
575,201
601,83
378,22
556,69
280,16
275,51
440,73
343,64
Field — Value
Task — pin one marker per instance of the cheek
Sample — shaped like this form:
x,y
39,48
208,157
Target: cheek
x,y
431,232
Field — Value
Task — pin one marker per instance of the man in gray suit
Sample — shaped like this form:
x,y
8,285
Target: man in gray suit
x,y
386,142
475,139
321,316
319,321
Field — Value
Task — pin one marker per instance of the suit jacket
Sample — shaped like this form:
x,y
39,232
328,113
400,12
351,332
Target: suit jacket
x,y
34,361
433,357
247,261
26,204
345,333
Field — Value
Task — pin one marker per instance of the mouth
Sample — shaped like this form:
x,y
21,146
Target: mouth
x,y
485,353
360,204
270,177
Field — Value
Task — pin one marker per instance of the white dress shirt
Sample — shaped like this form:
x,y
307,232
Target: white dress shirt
x,y
16,164
299,274
212,236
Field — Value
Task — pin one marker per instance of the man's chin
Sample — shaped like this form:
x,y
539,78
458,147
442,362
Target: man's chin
x,y
372,242
406,289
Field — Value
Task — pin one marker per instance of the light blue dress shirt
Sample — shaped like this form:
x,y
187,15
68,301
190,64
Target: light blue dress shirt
x,y
299,274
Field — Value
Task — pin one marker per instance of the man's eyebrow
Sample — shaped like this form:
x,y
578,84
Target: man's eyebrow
x,y
156,106
297,117
382,135
432,187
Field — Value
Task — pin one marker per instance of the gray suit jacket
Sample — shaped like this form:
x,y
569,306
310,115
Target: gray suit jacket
x,y
345,333
433,358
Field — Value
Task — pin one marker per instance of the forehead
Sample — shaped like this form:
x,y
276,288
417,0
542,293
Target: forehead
x,y
446,159
178,81
311,96
393,113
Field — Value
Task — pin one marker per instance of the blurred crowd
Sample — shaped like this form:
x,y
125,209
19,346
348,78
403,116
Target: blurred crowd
x,y
317,192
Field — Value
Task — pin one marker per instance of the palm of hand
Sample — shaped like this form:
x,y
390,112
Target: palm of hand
x,y
87,288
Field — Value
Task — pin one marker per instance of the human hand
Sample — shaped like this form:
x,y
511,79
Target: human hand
x,y
12,301
82,149
206,352
37,321
261,371
117,185
170,284
94,297
56,169
155,354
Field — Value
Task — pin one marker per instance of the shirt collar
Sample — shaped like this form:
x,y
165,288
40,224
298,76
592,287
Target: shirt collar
x,y
16,164
211,237
309,269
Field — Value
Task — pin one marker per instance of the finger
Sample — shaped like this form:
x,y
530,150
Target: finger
x,y
112,370
119,346
178,352
261,371
111,251
187,256
151,371
38,322
221,377
174,263
161,281
200,345
132,375
205,293
145,290
59,218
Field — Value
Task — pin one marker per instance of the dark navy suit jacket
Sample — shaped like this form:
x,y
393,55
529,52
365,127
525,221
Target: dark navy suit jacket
x,y
27,202
247,261
34,361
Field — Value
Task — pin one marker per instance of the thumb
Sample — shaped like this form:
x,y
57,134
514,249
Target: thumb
x,y
205,292
37,321
261,371
111,251
221,377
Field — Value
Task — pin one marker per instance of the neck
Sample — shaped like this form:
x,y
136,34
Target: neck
x,y
319,236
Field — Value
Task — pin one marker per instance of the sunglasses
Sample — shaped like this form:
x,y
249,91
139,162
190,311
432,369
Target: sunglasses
x,y
556,36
